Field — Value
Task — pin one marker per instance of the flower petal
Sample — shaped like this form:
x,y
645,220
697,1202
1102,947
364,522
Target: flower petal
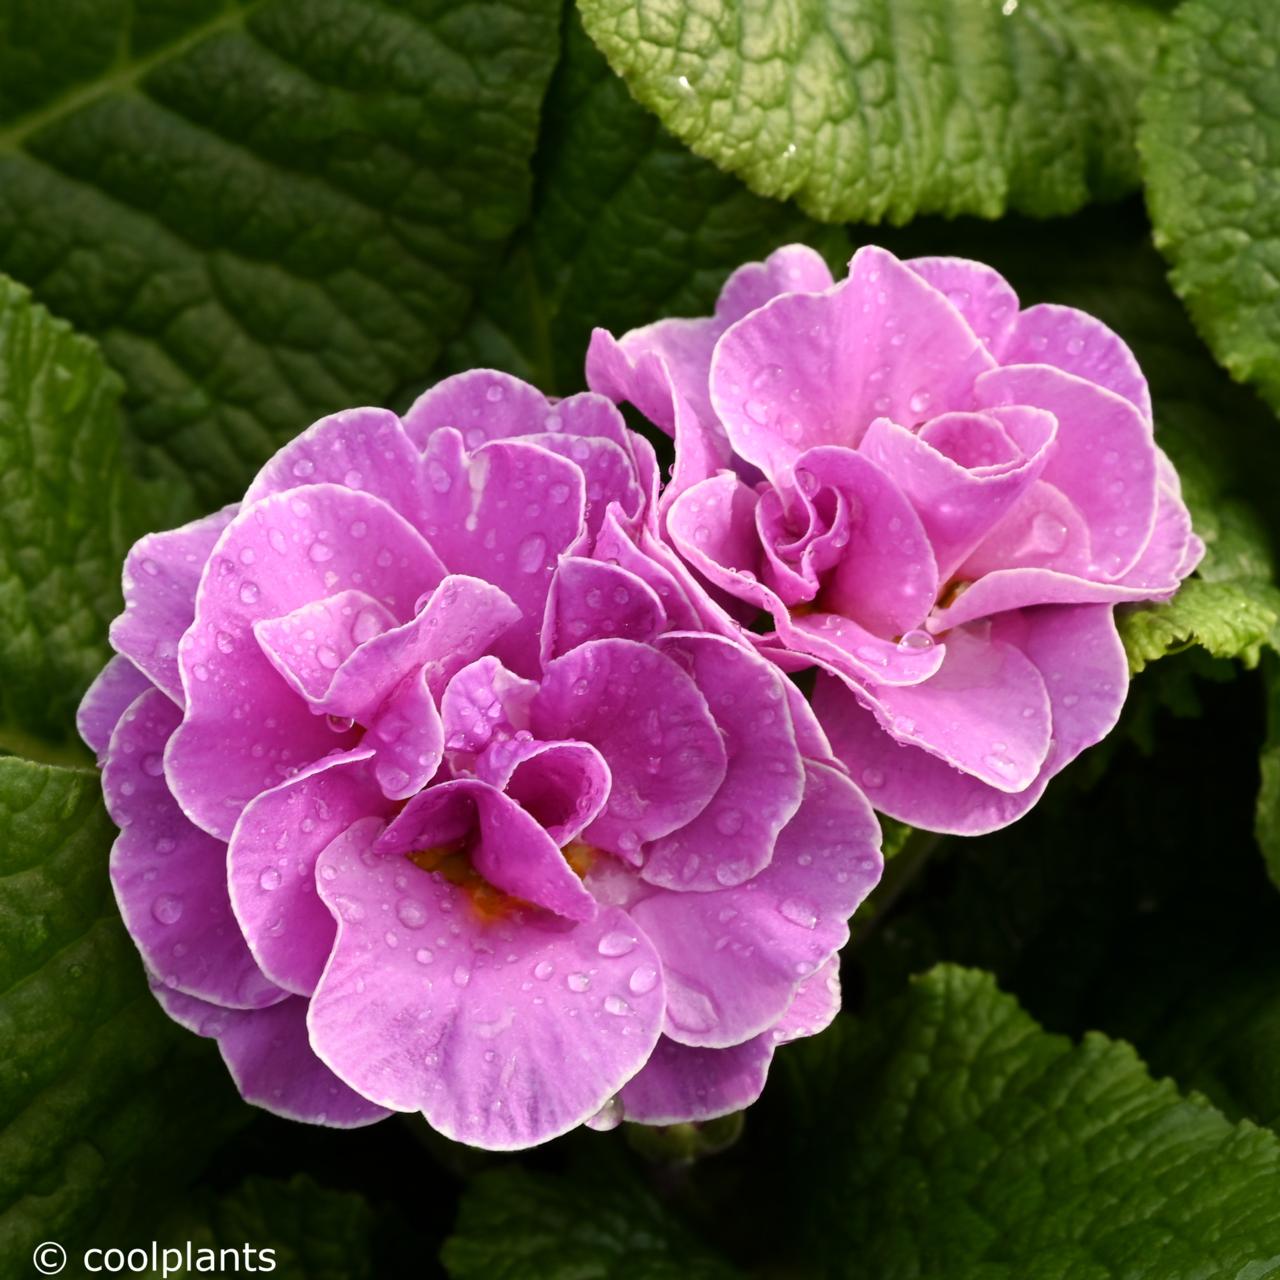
x,y
815,369
161,574
592,600
1080,656
733,837
506,845
681,1084
270,1059
169,877
271,864
1076,343
979,292
651,725
117,685
505,514
1103,460
504,1034
733,958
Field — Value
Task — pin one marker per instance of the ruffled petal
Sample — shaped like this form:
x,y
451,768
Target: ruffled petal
x,y
504,1034
1079,654
733,958
270,1058
680,1083
733,837
986,712
271,864
506,845
505,514
364,449
815,369
1103,459
161,574
170,878
117,685
653,728
593,600
1077,343
980,293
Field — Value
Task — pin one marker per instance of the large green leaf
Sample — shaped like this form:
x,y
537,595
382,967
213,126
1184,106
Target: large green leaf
x,y
312,1232
627,226
104,1104
63,524
882,109
1210,142
266,209
517,1225
948,1135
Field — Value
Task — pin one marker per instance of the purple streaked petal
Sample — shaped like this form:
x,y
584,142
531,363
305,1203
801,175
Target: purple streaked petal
x,y
733,838
1103,459
652,726
815,369
270,1058
592,600
117,685
1077,343
503,1034
170,877
161,575
506,845
364,449
506,514
734,958
271,864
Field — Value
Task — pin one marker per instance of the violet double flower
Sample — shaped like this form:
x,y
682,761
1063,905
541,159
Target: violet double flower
x,y
934,497
436,795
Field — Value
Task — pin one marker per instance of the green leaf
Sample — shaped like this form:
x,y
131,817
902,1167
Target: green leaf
x,y
1210,143
883,109
627,226
948,1135
518,1225
313,1233
105,1106
264,210
63,525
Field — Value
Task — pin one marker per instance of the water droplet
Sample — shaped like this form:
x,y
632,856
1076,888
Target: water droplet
x,y
327,657
798,912
424,955
643,980
461,976
616,943
153,764
608,1117
543,970
532,553
167,908
340,724
303,468
269,879
729,821
617,1006
249,592
920,401
872,778
494,393
916,639
411,913
319,552
578,982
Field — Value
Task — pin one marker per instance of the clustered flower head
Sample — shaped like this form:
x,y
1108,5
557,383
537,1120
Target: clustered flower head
x,y
933,497
461,771
435,795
